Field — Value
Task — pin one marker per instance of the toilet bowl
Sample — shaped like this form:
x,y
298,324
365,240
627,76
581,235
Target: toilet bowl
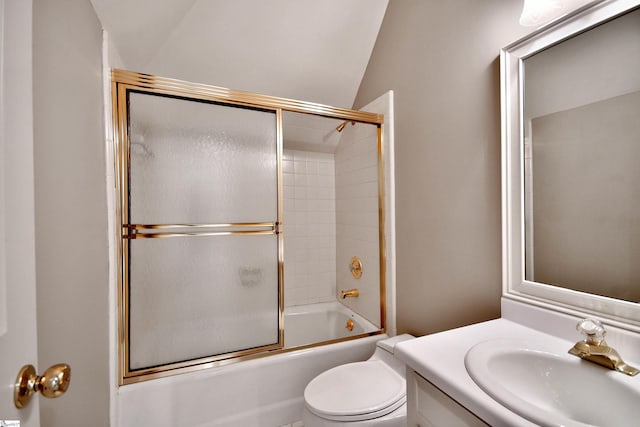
x,y
361,394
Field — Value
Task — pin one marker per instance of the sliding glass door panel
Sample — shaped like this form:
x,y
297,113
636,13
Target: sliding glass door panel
x,y
196,297
196,162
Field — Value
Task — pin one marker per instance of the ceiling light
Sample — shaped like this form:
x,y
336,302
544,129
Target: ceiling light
x,y
538,12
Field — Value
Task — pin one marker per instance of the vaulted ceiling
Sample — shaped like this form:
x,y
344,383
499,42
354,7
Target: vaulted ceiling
x,y
312,50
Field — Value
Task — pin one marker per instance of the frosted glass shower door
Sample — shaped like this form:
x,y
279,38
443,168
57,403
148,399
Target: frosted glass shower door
x,y
200,231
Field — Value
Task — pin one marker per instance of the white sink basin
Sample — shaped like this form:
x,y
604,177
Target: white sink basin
x,y
551,388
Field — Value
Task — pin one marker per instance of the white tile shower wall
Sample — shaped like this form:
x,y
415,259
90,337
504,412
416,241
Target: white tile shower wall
x,y
309,227
357,217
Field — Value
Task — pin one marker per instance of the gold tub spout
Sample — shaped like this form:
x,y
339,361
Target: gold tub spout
x,y
351,293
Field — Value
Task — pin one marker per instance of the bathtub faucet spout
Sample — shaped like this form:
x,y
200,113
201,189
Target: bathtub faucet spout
x,y
352,293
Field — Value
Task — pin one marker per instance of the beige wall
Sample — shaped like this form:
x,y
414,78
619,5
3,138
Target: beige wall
x,y
71,211
442,60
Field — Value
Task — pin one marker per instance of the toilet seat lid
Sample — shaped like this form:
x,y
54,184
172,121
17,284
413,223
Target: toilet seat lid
x,y
356,391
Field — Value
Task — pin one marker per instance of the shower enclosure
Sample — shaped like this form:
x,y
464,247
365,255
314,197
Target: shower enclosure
x,y
235,211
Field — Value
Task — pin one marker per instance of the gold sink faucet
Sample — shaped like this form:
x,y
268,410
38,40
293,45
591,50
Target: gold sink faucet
x,y
594,348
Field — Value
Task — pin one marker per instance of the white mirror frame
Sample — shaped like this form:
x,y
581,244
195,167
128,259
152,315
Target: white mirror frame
x,y
617,312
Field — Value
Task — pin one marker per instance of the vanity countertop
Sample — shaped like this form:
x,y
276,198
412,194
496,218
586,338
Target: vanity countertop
x,y
439,358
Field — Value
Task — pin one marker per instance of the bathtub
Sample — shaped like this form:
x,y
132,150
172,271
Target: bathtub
x,y
313,323
264,392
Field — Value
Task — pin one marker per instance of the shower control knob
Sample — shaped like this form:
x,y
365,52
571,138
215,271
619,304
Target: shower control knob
x,y
355,266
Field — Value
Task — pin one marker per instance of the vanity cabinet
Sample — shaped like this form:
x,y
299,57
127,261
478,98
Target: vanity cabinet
x,y
427,406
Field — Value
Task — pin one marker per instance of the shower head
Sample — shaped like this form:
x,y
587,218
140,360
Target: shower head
x,y
343,124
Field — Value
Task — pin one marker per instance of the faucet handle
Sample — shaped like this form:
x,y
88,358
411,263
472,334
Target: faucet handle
x,y
593,330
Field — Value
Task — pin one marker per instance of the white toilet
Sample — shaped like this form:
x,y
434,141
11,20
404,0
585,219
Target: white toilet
x,y
361,394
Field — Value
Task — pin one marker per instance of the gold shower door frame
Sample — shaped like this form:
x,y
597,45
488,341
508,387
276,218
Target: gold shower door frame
x,y
125,81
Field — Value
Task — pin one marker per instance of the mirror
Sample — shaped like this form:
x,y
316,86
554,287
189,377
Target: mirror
x,y
582,145
571,187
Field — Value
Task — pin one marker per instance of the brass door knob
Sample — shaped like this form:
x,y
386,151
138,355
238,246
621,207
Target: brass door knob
x,y
53,383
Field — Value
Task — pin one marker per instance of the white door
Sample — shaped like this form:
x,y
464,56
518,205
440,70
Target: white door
x,y
18,340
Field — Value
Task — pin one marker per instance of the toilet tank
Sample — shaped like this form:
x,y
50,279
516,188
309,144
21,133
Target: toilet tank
x,y
384,352
388,344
